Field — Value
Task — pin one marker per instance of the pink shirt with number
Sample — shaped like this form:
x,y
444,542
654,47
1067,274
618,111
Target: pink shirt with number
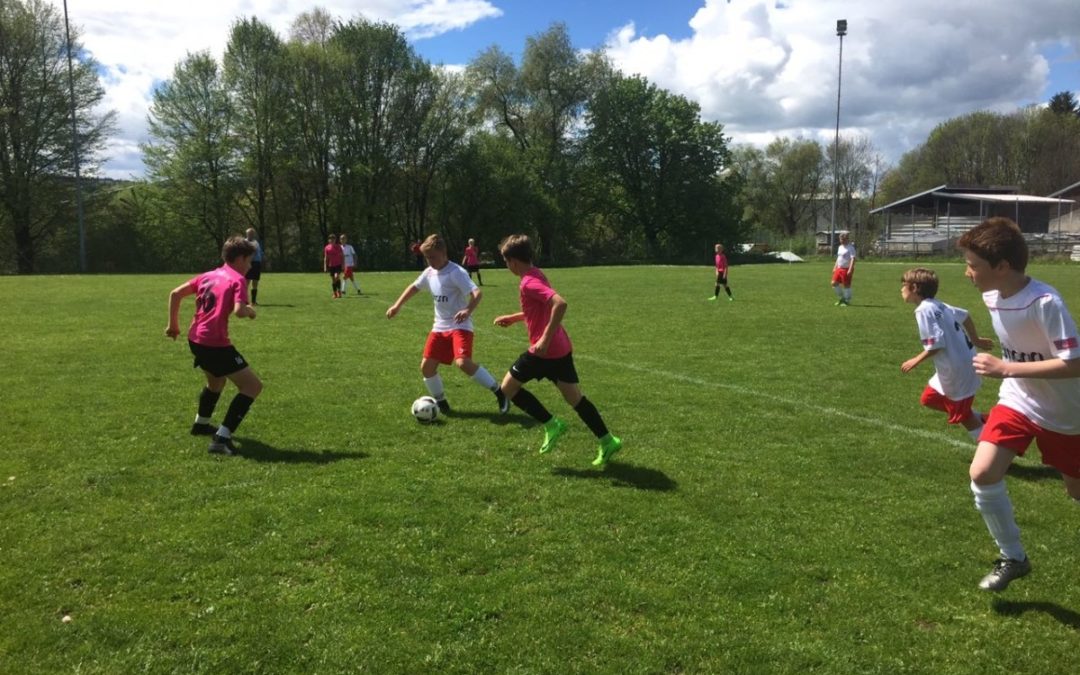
x,y
335,257
217,293
535,294
470,256
721,263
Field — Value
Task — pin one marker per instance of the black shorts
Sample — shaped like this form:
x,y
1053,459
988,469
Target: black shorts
x,y
333,269
721,278
529,366
255,272
218,361
472,268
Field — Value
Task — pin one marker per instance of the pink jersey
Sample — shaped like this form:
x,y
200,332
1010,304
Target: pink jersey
x,y
471,257
217,293
721,262
335,257
535,294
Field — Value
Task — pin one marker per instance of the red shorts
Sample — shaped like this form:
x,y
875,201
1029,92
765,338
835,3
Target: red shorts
x,y
958,410
1012,430
842,276
446,346
348,273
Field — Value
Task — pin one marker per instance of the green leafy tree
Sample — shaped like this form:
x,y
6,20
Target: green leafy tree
x,y
37,151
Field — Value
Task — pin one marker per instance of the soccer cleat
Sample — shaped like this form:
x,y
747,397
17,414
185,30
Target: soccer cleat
x,y
504,403
713,298
553,431
1005,570
730,299
838,303
444,407
609,445
199,429
221,446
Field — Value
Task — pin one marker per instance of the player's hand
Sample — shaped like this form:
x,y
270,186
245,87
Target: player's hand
x,y
984,343
989,365
540,348
462,316
503,321
908,365
172,332
392,312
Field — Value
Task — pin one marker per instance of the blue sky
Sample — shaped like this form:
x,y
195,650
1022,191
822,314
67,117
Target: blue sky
x,y
762,68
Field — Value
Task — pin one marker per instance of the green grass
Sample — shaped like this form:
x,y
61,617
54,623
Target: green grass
x,y
782,503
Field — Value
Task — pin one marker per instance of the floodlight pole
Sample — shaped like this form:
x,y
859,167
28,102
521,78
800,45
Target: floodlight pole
x,y
75,147
841,31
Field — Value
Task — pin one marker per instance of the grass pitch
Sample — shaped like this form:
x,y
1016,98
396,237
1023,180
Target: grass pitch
x,y
782,503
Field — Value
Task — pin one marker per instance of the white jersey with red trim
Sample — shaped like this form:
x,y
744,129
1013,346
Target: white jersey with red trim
x,y
350,255
1035,325
450,287
941,329
845,255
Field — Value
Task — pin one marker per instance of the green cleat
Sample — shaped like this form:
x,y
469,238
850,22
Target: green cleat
x,y
713,298
838,303
609,445
730,299
553,431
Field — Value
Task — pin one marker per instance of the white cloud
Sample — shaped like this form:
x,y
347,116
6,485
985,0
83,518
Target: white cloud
x,y
139,43
769,68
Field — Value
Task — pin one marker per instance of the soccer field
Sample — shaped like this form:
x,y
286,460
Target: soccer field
x,y
782,502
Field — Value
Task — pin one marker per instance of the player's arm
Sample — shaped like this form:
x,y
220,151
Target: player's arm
x,y
1050,369
973,335
244,311
509,319
409,291
474,299
916,360
175,297
558,311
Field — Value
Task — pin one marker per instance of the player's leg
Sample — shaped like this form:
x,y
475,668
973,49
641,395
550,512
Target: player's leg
x,y
249,386
974,424
429,368
847,287
987,473
526,368
727,289
208,399
716,288
254,291
1072,486
463,348
479,279
571,392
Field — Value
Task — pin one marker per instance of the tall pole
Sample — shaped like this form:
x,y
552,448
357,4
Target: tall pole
x,y
75,147
841,31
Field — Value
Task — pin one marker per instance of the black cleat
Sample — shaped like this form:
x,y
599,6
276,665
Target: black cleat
x,y
200,429
444,407
1005,571
221,446
504,403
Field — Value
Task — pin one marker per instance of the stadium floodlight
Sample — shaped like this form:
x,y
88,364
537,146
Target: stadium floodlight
x,y
841,31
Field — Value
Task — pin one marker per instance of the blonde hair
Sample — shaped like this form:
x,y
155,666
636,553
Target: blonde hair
x,y
434,242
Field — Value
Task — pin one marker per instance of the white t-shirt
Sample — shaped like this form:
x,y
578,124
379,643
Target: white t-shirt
x,y
451,288
941,328
845,254
350,255
1034,325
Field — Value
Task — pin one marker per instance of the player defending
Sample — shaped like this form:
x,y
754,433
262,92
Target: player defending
x,y
1040,390
255,273
219,293
843,270
333,259
451,336
721,274
954,384
349,255
550,354
471,261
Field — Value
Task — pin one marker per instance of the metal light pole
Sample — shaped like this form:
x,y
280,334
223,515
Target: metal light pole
x,y
841,31
75,147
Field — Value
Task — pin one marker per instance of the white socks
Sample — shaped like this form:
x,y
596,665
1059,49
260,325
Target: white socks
x,y
484,378
435,387
847,294
974,433
994,504
199,419
839,290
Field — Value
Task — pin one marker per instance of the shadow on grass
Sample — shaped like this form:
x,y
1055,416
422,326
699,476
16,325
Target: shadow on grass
x,y
623,475
859,304
252,449
495,417
270,304
1034,474
1066,617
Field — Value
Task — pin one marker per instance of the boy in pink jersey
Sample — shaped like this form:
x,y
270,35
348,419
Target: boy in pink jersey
x,y
471,261
451,336
550,354
333,260
1040,390
953,387
721,274
219,293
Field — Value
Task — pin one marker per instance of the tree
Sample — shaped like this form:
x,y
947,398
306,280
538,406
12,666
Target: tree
x,y
1064,103
37,152
794,175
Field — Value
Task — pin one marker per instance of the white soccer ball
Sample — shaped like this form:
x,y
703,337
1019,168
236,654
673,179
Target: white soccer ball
x,y
425,409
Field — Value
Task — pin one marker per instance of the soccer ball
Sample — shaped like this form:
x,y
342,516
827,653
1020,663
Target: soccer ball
x,y
425,409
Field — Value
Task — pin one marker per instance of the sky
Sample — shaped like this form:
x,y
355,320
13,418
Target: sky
x,y
762,69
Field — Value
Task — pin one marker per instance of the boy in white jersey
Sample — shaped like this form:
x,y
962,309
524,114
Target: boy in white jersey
x,y
954,384
451,337
1040,390
843,270
349,254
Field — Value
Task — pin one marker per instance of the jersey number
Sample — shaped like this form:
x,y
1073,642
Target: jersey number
x,y
964,333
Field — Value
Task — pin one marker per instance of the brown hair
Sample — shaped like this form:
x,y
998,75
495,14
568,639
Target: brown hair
x,y
922,280
236,247
518,247
997,239
433,243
